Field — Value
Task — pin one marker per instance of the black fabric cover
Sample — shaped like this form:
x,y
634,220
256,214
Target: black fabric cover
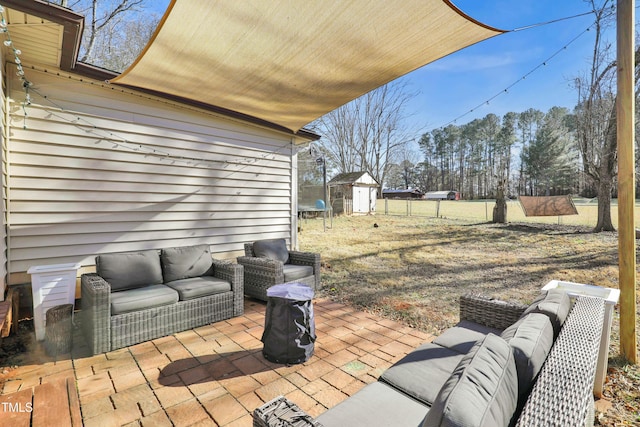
x,y
289,330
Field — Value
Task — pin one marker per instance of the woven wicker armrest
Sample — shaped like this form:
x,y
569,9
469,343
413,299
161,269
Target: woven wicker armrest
x,y
263,267
563,392
490,312
234,274
304,258
228,271
95,303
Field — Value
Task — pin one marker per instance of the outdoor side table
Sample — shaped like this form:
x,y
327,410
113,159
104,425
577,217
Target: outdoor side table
x,y
289,329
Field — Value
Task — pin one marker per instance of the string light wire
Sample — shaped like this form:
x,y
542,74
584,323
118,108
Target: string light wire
x,y
124,143
536,68
118,141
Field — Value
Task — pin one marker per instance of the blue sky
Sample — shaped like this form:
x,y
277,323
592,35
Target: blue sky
x,y
450,87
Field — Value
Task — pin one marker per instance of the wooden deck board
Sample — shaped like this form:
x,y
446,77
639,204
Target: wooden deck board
x,y
51,405
54,404
74,403
15,408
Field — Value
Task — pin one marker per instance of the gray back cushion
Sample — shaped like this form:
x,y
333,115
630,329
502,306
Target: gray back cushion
x,y
275,249
554,303
531,339
186,262
481,391
130,270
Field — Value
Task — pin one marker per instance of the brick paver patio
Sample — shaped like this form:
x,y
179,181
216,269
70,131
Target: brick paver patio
x,y
216,375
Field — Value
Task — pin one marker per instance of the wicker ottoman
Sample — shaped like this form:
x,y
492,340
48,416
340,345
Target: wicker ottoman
x,y
280,412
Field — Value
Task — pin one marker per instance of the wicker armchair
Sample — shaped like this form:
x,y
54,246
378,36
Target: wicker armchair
x,y
263,271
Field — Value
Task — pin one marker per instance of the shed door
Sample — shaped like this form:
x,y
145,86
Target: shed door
x,y
360,199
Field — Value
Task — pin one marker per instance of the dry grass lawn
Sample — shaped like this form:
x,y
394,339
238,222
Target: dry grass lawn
x,y
414,269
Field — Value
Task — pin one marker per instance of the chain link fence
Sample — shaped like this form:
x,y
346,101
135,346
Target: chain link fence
x,y
482,211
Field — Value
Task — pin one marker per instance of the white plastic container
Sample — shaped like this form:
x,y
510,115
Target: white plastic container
x,y
51,285
611,297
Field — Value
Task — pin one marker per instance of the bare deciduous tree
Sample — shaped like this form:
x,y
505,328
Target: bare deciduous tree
x,y
596,119
366,134
116,31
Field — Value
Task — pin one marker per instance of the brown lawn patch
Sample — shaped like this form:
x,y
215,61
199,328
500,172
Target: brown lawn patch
x,y
415,269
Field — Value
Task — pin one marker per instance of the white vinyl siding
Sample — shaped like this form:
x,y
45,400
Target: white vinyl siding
x,y
97,169
38,39
3,185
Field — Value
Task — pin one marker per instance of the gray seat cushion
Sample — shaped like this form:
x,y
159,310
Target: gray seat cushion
x,y
555,303
130,270
142,298
482,391
196,287
185,262
294,272
421,373
377,404
463,336
531,339
275,249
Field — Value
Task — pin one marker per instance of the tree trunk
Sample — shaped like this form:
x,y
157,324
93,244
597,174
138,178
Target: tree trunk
x,y
59,330
604,206
500,209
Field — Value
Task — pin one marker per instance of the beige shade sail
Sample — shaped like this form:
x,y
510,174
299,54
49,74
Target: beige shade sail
x,y
547,205
288,62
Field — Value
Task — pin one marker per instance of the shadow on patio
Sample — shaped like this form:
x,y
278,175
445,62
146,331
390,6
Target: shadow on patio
x,y
216,374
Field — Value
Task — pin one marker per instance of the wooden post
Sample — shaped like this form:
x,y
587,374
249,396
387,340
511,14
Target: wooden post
x,y
625,110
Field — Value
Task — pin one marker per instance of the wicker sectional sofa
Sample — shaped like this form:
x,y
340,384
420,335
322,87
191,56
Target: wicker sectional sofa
x,y
139,296
502,365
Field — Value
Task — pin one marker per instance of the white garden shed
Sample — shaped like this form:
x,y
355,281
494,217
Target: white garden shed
x,y
353,193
